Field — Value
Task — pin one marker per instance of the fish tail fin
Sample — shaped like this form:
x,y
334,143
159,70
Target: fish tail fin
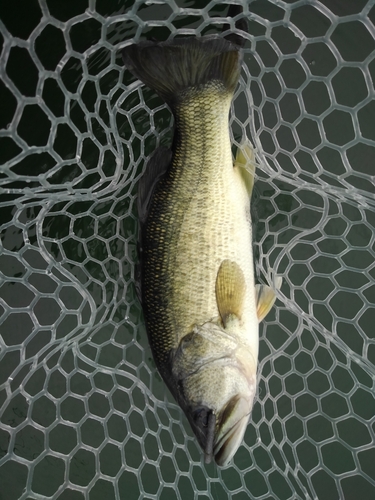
x,y
172,67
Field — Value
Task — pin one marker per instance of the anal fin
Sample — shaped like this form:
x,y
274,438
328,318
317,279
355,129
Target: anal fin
x,y
245,162
230,291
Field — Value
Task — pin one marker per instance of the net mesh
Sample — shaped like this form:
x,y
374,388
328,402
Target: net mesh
x,y
83,411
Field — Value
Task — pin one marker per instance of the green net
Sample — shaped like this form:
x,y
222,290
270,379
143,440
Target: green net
x,y
83,412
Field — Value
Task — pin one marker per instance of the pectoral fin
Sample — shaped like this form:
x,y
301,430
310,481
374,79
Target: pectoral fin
x,y
265,298
245,162
230,291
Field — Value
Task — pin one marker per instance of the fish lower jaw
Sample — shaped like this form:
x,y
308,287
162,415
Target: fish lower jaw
x,y
228,444
232,426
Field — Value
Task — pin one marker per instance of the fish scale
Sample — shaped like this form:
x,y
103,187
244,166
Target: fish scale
x,y
205,220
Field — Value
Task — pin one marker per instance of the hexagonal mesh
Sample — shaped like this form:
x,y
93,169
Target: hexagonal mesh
x,y
83,412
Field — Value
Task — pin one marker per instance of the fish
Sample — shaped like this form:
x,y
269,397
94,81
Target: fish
x,y
200,302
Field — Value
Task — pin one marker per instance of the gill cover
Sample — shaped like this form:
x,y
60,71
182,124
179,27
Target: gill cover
x,y
215,386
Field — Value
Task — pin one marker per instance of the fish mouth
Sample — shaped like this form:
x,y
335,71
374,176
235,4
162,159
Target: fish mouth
x,y
227,446
221,435
204,427
231,430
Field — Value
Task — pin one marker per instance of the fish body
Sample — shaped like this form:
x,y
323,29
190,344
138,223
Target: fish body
x,y
197,285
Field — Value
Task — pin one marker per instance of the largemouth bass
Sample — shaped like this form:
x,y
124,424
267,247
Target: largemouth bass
x,y
200,302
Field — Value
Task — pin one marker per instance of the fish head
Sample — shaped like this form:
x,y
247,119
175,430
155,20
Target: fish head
x,y
215,382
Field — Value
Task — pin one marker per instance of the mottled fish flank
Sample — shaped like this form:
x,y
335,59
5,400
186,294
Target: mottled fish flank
x,y
200,302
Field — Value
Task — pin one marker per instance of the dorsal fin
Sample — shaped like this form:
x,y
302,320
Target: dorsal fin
x,y
156,167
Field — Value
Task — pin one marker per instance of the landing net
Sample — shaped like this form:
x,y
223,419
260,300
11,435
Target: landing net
x,y
83,411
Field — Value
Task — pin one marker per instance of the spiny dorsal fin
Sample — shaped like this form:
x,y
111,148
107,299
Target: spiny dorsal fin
x,y
265,298
245,162
230,290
